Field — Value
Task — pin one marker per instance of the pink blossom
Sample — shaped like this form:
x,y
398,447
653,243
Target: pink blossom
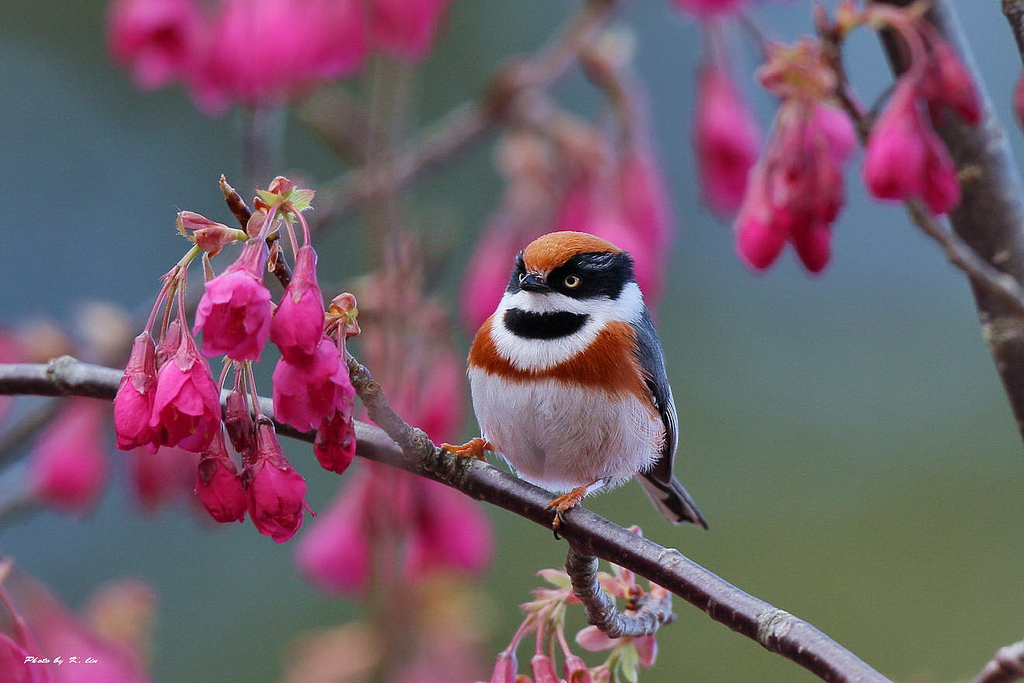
x,y
543,669
218,485
796,191
405,28
69,464
576,670
647,648
451,532
186,405
505,668
726,139
154,39
305,393
210,236
276,492
300,42
644,197
161,476
905,159
133,404
335,443
334,555
238,422
234,312
298,323
947,83
15,662
708,9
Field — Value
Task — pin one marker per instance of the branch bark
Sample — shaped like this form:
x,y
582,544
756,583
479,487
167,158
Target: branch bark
x,y
586,532
1007,666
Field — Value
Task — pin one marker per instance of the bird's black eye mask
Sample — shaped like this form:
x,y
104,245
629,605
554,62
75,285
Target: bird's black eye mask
x,y
584,276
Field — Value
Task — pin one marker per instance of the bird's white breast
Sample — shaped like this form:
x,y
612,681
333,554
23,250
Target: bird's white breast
x,y
561,436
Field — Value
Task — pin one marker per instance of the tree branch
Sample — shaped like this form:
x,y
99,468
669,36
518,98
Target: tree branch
x,y
1006,667
587,532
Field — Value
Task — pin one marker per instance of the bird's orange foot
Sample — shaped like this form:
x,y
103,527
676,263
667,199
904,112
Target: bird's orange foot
x,y
474,448
564,502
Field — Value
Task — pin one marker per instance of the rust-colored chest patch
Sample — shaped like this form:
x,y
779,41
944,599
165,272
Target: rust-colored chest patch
x,y
609,363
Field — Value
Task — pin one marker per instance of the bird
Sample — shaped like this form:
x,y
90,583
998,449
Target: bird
x,y
568,379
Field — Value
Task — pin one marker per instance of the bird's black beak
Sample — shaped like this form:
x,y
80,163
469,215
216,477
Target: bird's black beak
x,y
534,283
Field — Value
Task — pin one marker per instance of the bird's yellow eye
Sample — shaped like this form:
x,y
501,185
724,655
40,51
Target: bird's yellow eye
x,y
572,281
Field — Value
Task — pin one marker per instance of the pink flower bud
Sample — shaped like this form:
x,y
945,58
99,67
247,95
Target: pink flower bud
x,y
234,313
905,159
218,486
154,39
948,83
298,323
133,404
505,668
543,669
334,555
707,9
161,476
186,405
405,28
69,464
759,239
208,235
451,532
238,422
275,491
305,393
335,443
576,670
726,139
645,200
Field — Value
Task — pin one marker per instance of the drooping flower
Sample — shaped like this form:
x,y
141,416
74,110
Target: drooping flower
x,y
726,139
210,236
335,443
543,669
505,668
450,532
234,312
334,555
709,9
276,493
905,159
156,40
644,197
186,405
308,391
69,464
217,484
298,323
158,477
133,404
947,83
405,28
576,670
301,42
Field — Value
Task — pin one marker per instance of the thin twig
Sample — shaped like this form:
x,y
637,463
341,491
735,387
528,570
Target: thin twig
x,y
600,608
1007,666
587,532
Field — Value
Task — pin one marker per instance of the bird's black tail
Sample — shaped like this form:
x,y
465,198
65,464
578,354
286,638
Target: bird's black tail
x,y
672,500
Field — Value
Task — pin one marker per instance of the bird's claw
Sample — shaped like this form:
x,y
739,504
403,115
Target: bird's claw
x,y
565,502
474,448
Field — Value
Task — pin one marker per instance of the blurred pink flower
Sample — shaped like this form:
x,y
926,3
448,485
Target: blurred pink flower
x,y
306,392
275,491
405,28
645,199
726,139
69,464
708,9
905,159
159,477
234,312
133,404
299,42
297,325
154,39
505,668
217,484
186,405
335,443
947,83
334,554
450,531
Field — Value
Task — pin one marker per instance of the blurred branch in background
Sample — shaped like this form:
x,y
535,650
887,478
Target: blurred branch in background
x,y
587,532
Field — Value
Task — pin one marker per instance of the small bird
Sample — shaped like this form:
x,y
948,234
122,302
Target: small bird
x,y
568,378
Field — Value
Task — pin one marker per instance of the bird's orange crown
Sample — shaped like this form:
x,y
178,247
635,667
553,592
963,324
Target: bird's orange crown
x,y
552,250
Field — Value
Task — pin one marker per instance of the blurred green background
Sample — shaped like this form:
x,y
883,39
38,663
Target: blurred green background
x,y
845,435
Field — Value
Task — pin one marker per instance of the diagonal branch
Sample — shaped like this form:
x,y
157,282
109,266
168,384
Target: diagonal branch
x,y
1006,667
587,532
